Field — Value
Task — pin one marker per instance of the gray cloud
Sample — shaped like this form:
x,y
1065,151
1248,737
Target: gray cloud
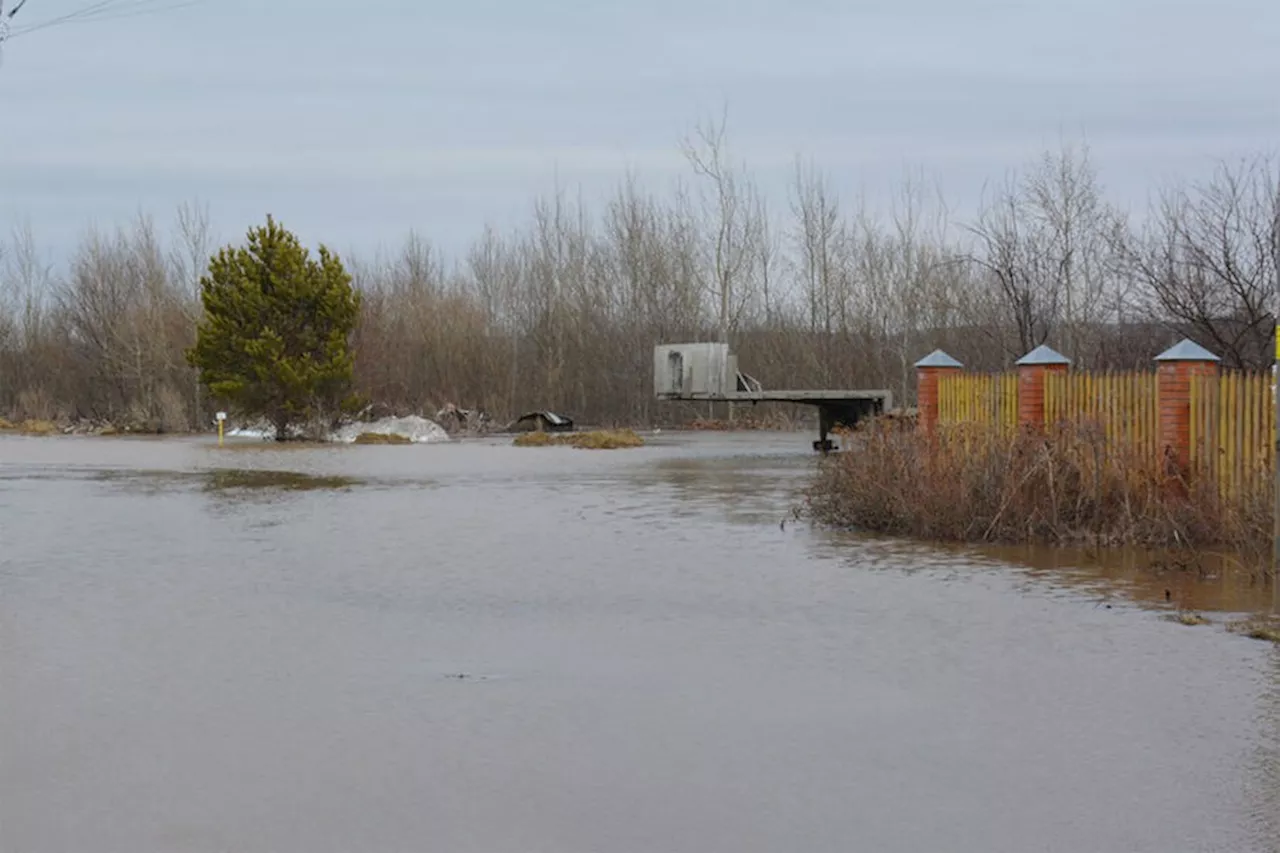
x,y
368,119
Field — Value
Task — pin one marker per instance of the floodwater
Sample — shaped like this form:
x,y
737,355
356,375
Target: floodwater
x,y
476,647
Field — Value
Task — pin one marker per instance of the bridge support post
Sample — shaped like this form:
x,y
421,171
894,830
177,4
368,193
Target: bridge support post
x,y
825,421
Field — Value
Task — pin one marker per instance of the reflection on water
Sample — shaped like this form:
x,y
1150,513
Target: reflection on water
x,y
1165,580
470,646
747,489
753,489
292,481
1207,582
223,479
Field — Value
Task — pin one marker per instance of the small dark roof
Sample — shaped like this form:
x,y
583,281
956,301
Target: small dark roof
x,y
549,417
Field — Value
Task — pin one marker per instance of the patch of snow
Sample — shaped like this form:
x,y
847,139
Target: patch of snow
x,y
416,429
261,430
263,433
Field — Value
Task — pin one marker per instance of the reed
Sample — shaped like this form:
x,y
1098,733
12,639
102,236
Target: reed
x,y
982,483
607,439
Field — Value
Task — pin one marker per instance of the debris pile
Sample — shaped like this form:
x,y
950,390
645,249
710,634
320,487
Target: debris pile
x,y
455,419
416,429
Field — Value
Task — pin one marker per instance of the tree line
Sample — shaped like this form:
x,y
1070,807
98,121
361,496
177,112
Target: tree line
x,y
563,313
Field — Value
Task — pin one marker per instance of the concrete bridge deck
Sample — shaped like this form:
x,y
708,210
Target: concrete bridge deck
x,y
708,373
835,408
807,396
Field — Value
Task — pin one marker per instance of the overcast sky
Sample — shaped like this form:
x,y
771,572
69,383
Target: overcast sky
x,y
356,121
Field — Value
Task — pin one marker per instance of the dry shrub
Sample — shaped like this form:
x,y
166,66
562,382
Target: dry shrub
x,y
1257,627
135,419
902,419
382,438
163,411
35,404
976,483
608,439
170,413
37,427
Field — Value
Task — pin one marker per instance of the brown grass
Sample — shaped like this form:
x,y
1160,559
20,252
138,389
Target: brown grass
x,y
1258,628
293,481
976,484
31,427
382,438
610,439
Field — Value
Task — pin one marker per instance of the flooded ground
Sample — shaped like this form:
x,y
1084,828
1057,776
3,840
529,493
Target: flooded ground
x,y
476,647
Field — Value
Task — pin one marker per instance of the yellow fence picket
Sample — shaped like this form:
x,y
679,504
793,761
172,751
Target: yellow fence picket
x,y
1232,416
1122,405
1233,421
973,398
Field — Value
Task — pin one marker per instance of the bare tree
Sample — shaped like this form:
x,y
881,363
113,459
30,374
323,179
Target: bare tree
x,y
817,235
1065,205
1206,261
190,260
1014,250
562,311
728,209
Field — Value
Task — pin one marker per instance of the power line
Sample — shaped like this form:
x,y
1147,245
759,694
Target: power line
x,y
100,10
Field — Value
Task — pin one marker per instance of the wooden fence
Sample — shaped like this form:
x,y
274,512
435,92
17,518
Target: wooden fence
x,y
979,398
1125,405
1232,430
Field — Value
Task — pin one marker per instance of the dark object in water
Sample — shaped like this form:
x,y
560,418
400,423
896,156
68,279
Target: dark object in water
x,y
542,422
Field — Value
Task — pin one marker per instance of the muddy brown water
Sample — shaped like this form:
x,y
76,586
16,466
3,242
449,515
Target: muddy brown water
x,y
476,647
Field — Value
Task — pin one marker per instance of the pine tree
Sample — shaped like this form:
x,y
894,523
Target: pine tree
x,y
274,340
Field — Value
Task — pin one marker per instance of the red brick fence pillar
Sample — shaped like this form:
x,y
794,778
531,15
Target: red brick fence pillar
x,y
928,371
1175,368
1032,368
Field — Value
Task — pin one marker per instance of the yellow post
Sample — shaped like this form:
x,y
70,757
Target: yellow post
x,y
1196,429
1275,468
222,417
